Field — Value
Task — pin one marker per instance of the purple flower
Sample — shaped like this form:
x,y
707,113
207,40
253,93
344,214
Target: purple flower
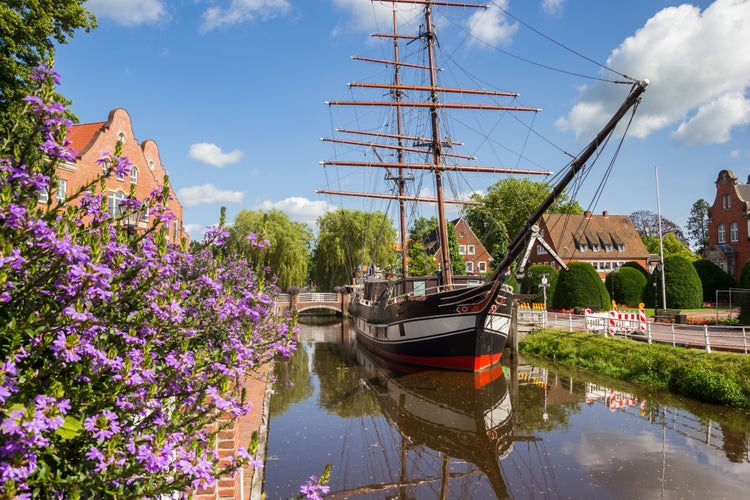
x,y
102,425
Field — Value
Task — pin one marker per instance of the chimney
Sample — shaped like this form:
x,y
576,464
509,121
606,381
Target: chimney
x,y
587,214
605,214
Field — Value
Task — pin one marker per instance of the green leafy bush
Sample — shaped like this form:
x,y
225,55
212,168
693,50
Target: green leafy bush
x,y
712,278
684,289
628,285
580,286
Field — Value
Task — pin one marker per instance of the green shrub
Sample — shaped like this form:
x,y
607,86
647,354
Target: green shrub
x,y
580,286
532,280
684,289
712,278
634,265
627,284
743,299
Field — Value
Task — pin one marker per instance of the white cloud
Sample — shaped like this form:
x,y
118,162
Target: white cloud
x,y
491,26
699,68
207,193
212,154
553,7
194,229
300,209
241,11
369,16
130,12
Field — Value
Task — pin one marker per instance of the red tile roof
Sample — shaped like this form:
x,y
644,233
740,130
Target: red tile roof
x,y
80,135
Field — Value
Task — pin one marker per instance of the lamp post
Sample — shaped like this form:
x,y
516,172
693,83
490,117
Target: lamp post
x,y
544,285
131,220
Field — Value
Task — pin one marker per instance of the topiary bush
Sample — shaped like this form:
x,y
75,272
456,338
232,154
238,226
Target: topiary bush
x,y
712,278
580,286
634,265
532,280
627,284
684,289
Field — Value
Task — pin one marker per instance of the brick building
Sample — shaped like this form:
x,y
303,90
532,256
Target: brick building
x,y
728,225
606,241
89,140
475,256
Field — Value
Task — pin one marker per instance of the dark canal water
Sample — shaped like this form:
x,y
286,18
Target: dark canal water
x,y
526,430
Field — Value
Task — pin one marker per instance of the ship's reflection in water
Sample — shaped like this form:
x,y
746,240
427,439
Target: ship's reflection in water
x,y
393,432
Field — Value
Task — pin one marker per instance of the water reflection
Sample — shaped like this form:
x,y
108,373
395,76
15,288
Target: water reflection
x,y
393,433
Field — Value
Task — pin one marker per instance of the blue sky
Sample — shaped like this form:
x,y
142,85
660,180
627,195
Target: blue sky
x,y
233,91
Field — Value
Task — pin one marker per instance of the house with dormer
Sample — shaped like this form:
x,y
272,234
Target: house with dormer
x,y
90,141
729,224
605,241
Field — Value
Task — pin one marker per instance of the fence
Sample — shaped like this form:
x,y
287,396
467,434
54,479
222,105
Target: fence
x,y
707,337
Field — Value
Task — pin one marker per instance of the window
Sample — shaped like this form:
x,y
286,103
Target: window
x,y
151,164
43,196
106,165
121,137
462,249
134,175
471,249
482,266
620,247
62,186
726,201
469,267
734,232
113,203
607,247
175,230
540,250
595,247
722,233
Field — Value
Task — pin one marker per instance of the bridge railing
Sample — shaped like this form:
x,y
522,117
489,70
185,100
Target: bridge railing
x,y
317,297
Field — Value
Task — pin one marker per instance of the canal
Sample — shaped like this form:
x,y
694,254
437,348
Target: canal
x,y
525,430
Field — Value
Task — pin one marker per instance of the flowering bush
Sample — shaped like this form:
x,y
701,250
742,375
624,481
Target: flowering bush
x,y
117,350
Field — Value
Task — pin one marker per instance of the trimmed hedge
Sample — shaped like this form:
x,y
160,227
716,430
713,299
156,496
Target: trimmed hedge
x,y
580,286
628,284
712,278
684,289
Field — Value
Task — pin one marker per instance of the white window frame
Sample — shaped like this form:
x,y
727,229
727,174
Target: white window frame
x,y
113,203
134,175
722,233
62,188
469,267
734,232
462,249
482,266
471,249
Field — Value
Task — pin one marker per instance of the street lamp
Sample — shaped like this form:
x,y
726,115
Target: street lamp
x,y
544,285
131,220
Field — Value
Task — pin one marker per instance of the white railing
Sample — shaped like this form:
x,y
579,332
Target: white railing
x,y
317,297
707,337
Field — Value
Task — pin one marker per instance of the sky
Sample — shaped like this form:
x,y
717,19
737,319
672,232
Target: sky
x,y
234,91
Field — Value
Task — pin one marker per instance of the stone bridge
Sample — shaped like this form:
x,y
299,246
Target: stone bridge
x,y
301,302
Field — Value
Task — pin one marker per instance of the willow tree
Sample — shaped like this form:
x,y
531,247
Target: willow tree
x,y
289,252
505,209
348,240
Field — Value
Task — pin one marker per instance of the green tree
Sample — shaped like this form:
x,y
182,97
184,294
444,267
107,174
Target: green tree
x,y
580,286
424,233
712,278
348,239
627,285
29,31
697,224
531,283
506,208
672,246
420,264
289,251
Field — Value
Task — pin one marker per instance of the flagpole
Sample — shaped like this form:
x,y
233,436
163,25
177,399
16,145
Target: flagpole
x,y
661,244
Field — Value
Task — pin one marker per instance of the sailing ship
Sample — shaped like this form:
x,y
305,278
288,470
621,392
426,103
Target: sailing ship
x,y
445,320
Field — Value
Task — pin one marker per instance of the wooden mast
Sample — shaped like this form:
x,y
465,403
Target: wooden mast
x,y
432,145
